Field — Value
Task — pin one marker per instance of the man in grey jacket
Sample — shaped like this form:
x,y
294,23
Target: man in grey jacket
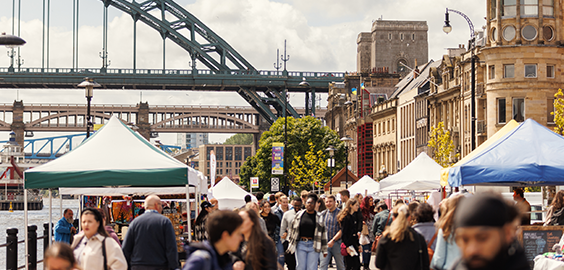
x,y
287,218
381,218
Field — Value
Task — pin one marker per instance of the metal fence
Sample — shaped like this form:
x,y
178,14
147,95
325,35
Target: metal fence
x,y
12,243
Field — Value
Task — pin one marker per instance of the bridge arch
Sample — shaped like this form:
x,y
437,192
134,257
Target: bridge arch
x,y
188,120
38,122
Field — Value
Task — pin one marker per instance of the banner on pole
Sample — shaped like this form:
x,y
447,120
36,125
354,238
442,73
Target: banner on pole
x,y
254,182
213,167
277,158
274,184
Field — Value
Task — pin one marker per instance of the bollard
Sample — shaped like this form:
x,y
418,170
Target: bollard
x,y
12,249
45,237
32,247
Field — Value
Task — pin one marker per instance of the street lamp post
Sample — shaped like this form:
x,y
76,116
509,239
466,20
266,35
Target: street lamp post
x,y
447,28
11,42
347,141
331,164
88,85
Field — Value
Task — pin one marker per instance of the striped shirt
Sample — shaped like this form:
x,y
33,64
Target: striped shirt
x,y
331,223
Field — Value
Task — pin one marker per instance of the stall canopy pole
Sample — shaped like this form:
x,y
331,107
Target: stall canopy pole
x,y
50,217
25,231
189,213
61,204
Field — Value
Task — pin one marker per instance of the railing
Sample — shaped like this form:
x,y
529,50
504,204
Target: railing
x,y
12,243
180,72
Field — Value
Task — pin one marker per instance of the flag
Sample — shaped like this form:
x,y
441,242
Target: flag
x,y
354,91
362,86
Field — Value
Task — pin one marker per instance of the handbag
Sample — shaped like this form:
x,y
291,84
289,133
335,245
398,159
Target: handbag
x,y
375,244
429,249
344,249
364,230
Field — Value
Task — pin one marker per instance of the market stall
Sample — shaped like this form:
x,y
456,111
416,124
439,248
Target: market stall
x,y
423,173
365,186
229,195
114,156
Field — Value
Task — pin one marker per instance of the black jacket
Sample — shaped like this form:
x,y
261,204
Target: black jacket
x,y
270,261
401,255
349,226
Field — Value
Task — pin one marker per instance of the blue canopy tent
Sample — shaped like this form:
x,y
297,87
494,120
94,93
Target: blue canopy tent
x,y
529,155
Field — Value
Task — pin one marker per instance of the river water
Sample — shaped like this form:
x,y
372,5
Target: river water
x,y
38,218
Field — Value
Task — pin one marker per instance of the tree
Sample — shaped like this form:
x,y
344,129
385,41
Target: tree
x,y
559,112
307,169
442,145
240,139
301,132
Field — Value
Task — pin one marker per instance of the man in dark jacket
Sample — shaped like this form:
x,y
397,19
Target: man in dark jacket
x,y
150,242
224,230
485,234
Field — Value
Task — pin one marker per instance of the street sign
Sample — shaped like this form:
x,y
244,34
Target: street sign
x,y
254,182
274,184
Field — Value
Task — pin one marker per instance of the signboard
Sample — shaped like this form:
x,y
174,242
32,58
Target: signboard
x,y
213,167
274,184
539,239
254,182
277,158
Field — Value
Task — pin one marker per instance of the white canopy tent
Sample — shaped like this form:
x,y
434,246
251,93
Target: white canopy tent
x,y
423,173
365,186
229,195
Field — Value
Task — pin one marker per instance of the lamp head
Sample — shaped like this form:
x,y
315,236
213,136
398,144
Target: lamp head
x,y
447,28
346,140
304,83
88,85
331,150
11,41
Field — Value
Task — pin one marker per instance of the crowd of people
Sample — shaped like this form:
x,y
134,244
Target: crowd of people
x,y
307,232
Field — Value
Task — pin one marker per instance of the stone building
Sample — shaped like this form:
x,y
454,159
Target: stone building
x,y
392,45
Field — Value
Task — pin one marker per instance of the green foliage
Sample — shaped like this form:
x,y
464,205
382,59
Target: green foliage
x,y
442,145
301,132
242,139
559,112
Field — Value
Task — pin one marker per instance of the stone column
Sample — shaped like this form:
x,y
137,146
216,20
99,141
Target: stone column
x,y
143,120
18,125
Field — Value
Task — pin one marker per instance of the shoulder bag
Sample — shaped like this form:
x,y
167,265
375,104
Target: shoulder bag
x,y
375,244
104,253
429,249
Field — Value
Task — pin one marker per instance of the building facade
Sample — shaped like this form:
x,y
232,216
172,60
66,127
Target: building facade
x,y
229,159
192,140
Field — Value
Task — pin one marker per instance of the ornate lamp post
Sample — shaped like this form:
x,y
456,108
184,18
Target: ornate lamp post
x,y
447,28
11,42
88,85
331,164
347,141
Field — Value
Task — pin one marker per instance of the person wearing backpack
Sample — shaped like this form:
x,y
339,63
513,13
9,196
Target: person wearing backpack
x,y
224,236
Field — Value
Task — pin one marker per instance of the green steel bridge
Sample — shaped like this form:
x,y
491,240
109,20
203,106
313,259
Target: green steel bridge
x,y
225,69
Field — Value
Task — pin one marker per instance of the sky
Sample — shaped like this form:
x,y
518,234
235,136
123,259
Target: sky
x,y
320,34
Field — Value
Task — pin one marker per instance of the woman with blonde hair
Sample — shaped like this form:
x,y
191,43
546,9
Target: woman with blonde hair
x,y
446,251
401,247
349,234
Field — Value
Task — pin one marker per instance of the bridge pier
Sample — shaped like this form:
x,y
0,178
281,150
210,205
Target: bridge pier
x,y
18,125
143,120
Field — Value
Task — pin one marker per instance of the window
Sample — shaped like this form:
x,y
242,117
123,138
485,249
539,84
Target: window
x,y
519,109
509,33
549,71
219,153
228,153
412,36
550,110
401,36
493,8
238,153
390,36
493,35
548,8
529,32
492,72
501,110
529,7
509,8
531,71
508,71
547,33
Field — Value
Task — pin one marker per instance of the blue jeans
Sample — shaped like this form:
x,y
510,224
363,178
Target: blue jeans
x,y
280,250
366,253
306,257
333,252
